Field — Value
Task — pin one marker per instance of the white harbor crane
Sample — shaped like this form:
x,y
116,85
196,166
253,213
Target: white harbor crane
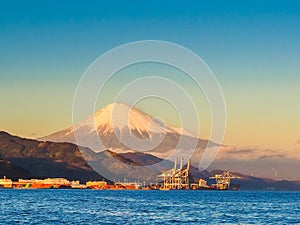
x,y
223,180
177,178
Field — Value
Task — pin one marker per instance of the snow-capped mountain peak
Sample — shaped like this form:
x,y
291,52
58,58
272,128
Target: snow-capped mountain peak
x,y
120,117
121,128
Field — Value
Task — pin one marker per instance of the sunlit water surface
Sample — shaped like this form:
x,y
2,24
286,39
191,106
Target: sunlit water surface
x,y
148,207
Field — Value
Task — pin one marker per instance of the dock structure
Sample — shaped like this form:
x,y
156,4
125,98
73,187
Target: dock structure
x,y
45,183
6,183
176,179
223,180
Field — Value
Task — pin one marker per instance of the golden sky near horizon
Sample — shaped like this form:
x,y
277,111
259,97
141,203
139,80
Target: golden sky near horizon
x,y
258,115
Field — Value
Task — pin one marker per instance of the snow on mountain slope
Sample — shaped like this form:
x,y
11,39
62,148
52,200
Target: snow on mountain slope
x,y
122,128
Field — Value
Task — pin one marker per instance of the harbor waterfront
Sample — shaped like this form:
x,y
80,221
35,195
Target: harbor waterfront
x,y
173,179
62,183
60,206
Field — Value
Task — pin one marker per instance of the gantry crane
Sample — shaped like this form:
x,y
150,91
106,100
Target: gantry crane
x,y
223,180
177,178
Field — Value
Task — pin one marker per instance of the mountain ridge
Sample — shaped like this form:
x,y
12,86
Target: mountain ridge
x,y
32,155
45,159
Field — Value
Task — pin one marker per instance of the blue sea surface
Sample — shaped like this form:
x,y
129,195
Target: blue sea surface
x,y
56,206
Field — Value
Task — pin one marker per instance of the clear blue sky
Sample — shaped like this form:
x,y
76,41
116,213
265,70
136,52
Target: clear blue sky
x,y
222,32
252,46
68,35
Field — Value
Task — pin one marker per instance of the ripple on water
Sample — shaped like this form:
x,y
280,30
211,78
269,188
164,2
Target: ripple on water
x,y
148,207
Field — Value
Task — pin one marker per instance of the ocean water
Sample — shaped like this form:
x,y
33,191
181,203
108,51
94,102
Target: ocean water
x,y
148,207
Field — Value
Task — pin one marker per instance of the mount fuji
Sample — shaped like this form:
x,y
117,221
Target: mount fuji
x,y
122,128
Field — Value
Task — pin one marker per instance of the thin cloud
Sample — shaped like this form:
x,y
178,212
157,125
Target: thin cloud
x,y
249,153
272,156
241,151
270,150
